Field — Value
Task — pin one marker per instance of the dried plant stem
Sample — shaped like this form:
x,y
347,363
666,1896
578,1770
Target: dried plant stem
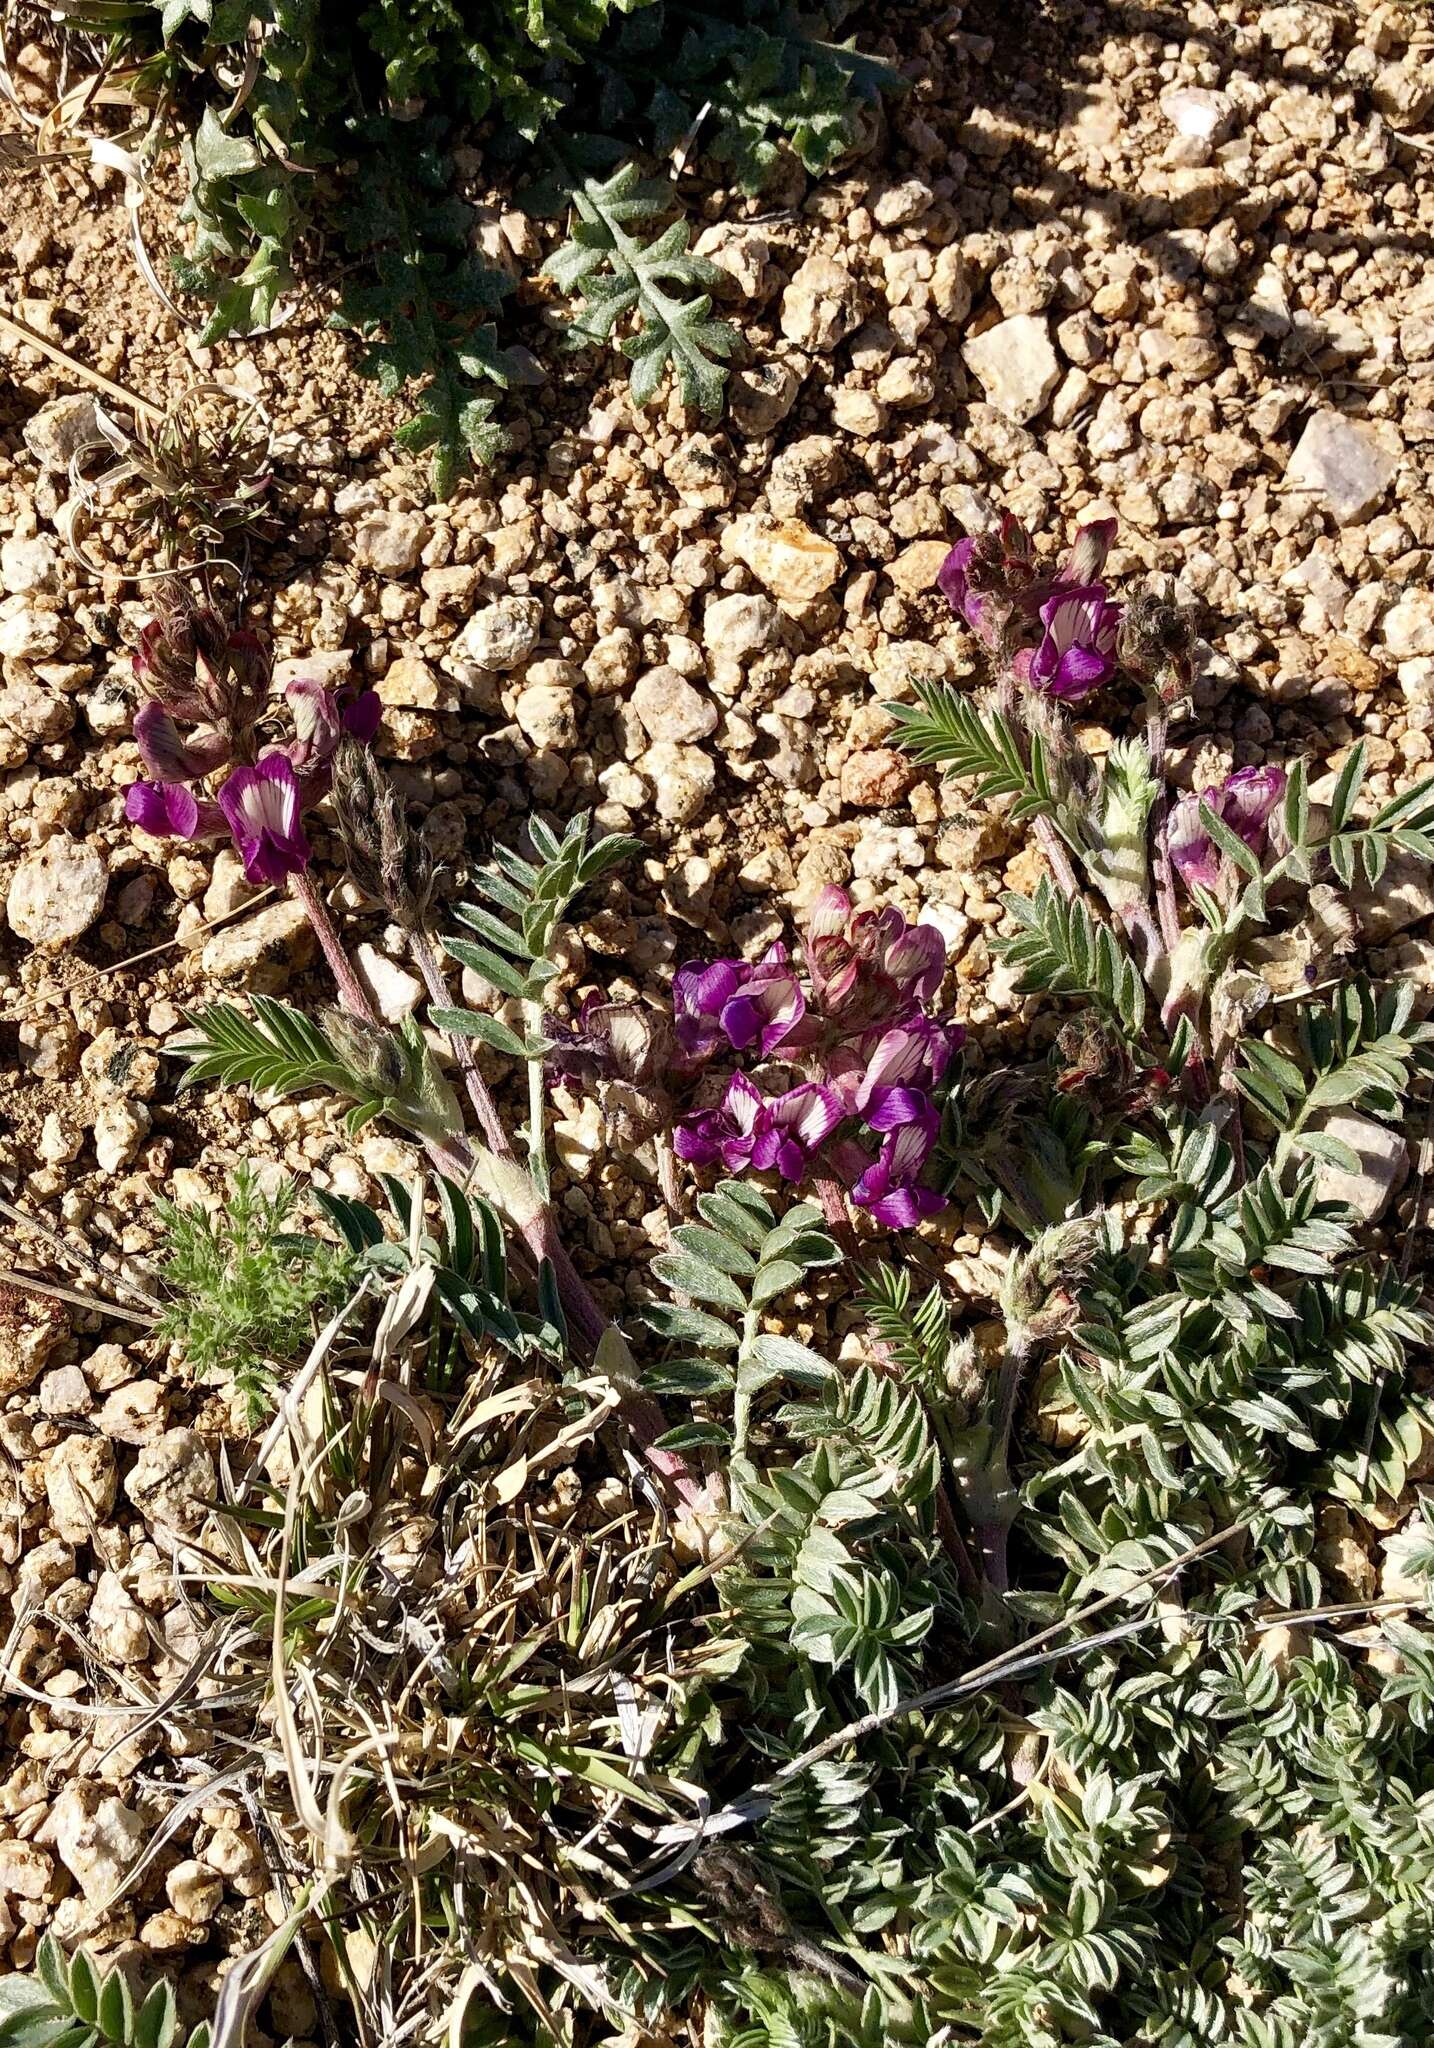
x,y
80,368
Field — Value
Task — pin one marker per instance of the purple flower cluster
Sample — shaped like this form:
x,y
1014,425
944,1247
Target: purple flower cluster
x,y
996,584
1246,801
215,682
845,1058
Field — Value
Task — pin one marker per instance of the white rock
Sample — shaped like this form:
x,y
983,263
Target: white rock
x,y
116,1623
58,429
390,543
173,1480
96,1835
80,1483
547,713
395,991
1403,895
1191,111
822,305
502,634
735,628
26,1871
327,665
796,564
28,632
1016,364
1383,1164
194,1892
57,892
1347,463
119,1129
61,1137
27,565
684,778
261,950
1408,627
670,708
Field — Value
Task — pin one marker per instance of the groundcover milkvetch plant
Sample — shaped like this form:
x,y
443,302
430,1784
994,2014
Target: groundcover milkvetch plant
x,y
916,1690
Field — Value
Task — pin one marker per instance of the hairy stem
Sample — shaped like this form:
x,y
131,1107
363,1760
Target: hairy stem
x,y
352,993
425,960
1057,859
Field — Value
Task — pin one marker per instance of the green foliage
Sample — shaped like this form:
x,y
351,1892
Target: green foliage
x,y
514,954
616,273
459,1253
243,1291
1063,950
73,2004
947,730
724,1273
281,1052
323,142
1358,1052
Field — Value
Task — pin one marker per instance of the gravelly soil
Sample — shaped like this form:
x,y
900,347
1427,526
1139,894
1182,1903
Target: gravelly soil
x,y
1209,229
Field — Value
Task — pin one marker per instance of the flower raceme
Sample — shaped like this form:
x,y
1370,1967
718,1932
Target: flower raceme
x,y
994,582
1246,801
843,1051
216,681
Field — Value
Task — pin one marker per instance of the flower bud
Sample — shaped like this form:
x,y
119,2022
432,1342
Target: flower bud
x,y
375,1057
385,857
1157,642
1040,1286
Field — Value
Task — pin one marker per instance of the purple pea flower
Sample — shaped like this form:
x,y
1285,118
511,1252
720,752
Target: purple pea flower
x,y
1077,650
749,1129
983,610
733,1000
167,756
871,968
170,811
890,1186
904,1061
262,807
1245,801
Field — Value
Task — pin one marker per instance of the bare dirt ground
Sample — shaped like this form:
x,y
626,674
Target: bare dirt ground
x,y
1171,264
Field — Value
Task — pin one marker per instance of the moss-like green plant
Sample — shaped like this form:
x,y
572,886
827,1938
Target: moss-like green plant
x,y
244,1290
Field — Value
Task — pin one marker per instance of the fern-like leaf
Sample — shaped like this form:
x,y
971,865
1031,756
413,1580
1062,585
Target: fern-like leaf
x,y
616,274
1062,950
278,1049
947,730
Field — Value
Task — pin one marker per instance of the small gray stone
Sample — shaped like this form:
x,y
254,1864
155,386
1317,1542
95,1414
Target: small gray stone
x,y
57,892
1383,1164
1346,463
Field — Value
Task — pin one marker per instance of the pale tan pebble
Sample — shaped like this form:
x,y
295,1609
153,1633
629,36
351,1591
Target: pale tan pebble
x,y
117,1626
96,1836
81,1481
26,1871
65,1392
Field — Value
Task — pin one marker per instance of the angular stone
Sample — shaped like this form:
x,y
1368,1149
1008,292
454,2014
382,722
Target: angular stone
x,y
1016,365
502,634
395,991
671,709
737,627
390,543
1348,464
794,563
1383,1164
1408,627
822,305
58,429
261,951
57,892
